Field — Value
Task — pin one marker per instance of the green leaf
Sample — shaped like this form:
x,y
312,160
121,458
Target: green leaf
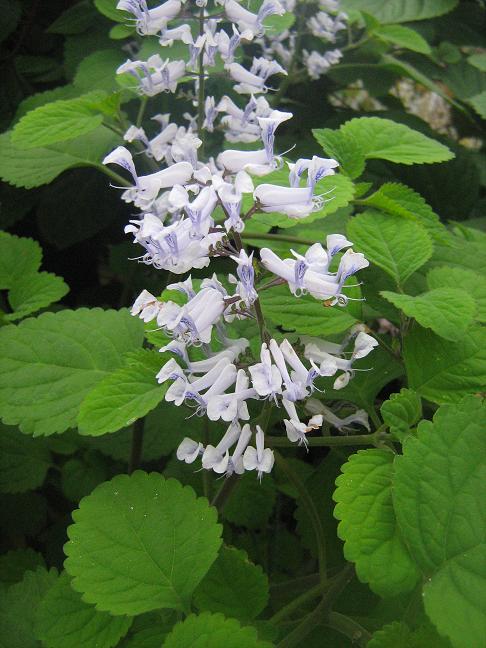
x,y
368,526
478,102
468,281
398,247
343,148
58,121
16,562
98,71
18,256
64,620
365,138
399,635
35,167
392,11
234,586
401,412
41,98
403,37
24,461
399,200
79,477
442,371
124,396
141,542
366,385
18,607
449,312
304,314
31,292
439,494
213,631
74,20
478,61
108,9
251,503
49,363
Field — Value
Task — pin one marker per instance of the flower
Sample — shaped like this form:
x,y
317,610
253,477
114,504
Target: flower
x,y
260,458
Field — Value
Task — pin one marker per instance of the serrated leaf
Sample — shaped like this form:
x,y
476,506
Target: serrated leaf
x,y
468,281
368,525
64,620
398,247
449,312
32,292
124,396
49,363
41,98
234,586
439,494
98,70
399,635
366,385
213,631
16,562
18,607
304,314
58,121
391,11
18,256
365,138
398,199
24,461
401,412
403,37
35,167
141,542
251,502
443,371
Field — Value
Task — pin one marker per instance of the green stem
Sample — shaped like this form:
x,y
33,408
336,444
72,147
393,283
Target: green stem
x,y
333,441
296,603
221,497
309,506
277,237
348,627
113,175
141,111
201,84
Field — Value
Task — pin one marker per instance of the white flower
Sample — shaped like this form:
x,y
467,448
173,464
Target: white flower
x,y
259,458
217,458
359,417
296,430
154,75
246,286
146,306
150,21
265,376
363,345
253,162
231,407
248,21
189,450
253,81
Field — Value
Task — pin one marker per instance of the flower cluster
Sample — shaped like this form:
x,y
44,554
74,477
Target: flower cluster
x,y
321,21
192,210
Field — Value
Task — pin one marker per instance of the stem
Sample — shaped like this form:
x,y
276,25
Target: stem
x,y
322,612
310,594
221,497
277,237
312,512
141,111
349,628
137,445
205,473
331,441
113,175
257,307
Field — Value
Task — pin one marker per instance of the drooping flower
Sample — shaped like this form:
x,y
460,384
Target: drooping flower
x,y
260,458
